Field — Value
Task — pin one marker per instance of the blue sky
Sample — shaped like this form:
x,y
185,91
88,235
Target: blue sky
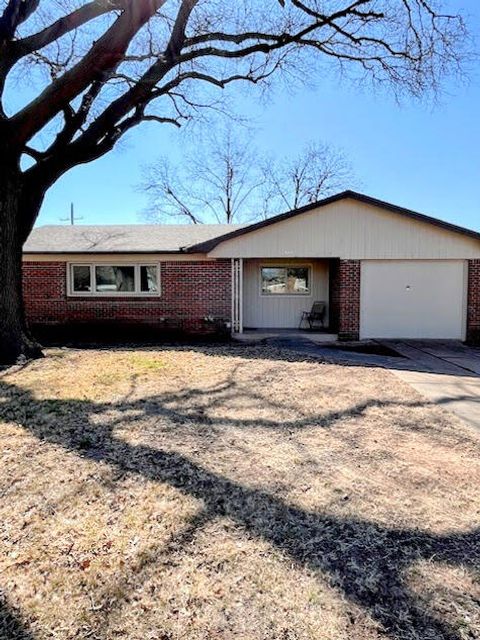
x,y
418,155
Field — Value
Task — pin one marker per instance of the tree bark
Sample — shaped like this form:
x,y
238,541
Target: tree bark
x,y
15,338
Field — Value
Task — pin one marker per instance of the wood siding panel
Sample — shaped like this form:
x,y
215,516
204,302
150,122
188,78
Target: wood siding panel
x,y
352,231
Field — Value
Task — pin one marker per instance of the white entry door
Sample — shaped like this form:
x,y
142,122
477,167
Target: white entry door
x,y
413,299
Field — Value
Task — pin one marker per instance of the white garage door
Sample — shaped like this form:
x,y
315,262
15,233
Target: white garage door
x,y
413,299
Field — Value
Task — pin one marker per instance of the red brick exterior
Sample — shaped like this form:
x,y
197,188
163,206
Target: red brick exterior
x,y
345,298
473,308
190,292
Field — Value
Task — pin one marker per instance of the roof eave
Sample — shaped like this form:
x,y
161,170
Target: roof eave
x,y
105,253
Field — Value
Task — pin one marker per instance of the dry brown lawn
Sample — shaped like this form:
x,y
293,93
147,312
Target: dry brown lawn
x,y
229,493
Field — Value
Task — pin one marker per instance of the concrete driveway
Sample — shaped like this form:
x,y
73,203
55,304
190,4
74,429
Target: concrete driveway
x,y
444,372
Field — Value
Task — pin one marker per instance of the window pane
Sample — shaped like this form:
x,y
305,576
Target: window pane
x,y
285,280
274,280
81,278
149,278
297,280
112,279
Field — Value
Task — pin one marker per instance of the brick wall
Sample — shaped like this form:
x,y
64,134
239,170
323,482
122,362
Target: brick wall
x,y
190,291
345,298
473,309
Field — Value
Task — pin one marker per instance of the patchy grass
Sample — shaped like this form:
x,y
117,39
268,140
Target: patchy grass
x,y
231,493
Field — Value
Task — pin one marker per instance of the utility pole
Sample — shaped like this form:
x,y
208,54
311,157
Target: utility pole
x,y
72,217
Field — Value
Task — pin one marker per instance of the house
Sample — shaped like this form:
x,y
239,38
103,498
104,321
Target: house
x,y
383,271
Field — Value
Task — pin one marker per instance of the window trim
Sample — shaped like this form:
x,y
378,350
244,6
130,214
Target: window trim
x,y
71,293
308,266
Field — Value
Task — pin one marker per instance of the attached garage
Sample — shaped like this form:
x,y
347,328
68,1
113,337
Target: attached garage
x,y
413,299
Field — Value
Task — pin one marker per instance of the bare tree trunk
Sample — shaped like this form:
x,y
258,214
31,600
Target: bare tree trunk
x,y
15,338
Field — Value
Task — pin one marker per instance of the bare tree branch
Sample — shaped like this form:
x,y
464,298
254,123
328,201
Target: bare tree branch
x,y
225,180
64,25
104,56
101,95
215,182
16,12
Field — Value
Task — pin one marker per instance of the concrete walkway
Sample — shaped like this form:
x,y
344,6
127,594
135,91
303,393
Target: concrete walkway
x,y
258,336
458,394
444,372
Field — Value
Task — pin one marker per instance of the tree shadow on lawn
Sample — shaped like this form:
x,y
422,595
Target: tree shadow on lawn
x,y
11,628
364,560
288,350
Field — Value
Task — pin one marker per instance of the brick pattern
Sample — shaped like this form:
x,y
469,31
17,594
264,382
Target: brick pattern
x,y
473,308
190,291
345,298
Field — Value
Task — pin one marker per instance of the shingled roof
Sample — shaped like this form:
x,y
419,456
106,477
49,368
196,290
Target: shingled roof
x,y
134,238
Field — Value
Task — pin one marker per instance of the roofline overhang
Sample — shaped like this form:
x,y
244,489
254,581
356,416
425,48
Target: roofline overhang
x,y
182,251
209,245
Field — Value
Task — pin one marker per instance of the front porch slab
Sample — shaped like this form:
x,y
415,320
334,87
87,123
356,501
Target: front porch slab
x,y
258,335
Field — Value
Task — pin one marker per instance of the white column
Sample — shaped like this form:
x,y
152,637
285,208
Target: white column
x,y
240,295
237,295
233,296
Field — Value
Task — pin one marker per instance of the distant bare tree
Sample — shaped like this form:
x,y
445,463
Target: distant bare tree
x,y
318,171
215,182
224,179
77,75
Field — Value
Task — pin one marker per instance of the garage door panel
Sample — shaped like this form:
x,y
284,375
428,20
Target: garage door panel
x,y
413,299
